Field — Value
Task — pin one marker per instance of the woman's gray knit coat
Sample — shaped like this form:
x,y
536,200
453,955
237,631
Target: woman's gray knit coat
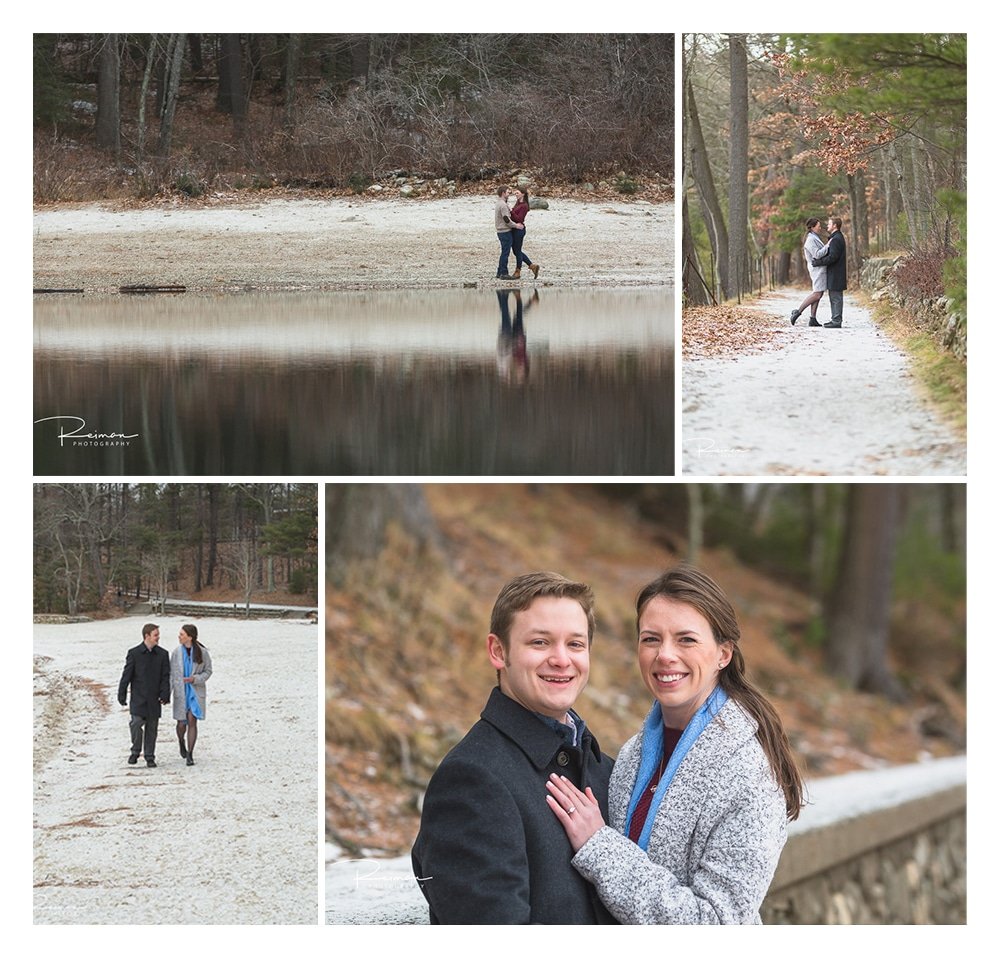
x,y
715,841
202,670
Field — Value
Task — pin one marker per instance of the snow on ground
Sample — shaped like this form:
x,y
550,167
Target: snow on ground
x,y
232,839
829,402
370,891
347,243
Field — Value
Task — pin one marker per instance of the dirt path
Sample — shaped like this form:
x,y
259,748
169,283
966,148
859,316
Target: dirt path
x,y
347,244
231,839
817,402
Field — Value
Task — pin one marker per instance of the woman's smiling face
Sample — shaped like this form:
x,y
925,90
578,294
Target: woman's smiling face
x,y
679,658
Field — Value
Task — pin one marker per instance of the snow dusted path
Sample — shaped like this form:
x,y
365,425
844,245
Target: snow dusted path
x,y
823,402
229,840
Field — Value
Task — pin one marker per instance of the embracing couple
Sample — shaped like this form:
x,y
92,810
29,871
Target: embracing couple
x,y
511,232
527,821
827,264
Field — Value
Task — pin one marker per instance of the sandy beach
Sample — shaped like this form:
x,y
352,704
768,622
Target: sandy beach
x,y
346,244
230,840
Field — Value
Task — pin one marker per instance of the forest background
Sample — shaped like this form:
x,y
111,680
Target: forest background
x,y
866,126
151,117
99,548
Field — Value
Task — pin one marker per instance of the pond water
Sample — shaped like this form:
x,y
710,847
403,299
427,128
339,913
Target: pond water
x,y
415,382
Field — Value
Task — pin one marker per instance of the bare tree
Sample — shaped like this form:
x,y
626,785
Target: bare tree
x,y
241,563
159,560
172,84
701,171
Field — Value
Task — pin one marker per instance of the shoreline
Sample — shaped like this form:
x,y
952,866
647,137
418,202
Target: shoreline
x,y
347,244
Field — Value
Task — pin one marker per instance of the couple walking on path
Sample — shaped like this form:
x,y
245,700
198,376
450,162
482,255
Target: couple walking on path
x,y
511,231
828,271
152,676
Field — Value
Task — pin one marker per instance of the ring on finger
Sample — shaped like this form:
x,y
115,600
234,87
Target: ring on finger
x,y
571,809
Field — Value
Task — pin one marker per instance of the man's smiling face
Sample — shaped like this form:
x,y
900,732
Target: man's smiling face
x,y
547,662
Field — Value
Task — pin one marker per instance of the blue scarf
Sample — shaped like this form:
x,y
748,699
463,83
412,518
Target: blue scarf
x,y
652,751
190,697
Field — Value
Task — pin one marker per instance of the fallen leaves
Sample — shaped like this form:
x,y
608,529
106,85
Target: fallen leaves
x,y
712,331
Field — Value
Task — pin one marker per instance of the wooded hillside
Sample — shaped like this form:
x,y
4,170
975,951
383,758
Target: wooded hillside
x,y
141,115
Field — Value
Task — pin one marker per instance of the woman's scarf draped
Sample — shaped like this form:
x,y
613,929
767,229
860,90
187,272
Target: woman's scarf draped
x,y
190,696
652,751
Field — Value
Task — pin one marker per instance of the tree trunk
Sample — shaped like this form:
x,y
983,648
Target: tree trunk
x,y
231,98
739,149
147,74
904,192
695,291
702,173
172,85
859,606
108,131
194,48
291,75
213,534
358,517
696,522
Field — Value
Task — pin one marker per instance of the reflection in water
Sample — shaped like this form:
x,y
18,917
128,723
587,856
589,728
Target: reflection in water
x,y
512,344
358,384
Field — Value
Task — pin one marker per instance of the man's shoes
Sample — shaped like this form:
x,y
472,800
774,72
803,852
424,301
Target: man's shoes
x,y
190,760
534,270
814,322
150,763
503,276
795,315
132,759
184,751
833,324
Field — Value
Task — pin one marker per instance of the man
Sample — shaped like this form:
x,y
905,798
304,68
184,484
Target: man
x,y
505,226
147,671
835,261
490,851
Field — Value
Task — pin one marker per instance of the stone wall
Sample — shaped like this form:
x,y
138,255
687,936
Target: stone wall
x,y
881,847
934,315
890,849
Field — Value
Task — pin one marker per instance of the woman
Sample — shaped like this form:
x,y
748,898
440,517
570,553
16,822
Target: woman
x,y
811,248
190,668
700,797
517,214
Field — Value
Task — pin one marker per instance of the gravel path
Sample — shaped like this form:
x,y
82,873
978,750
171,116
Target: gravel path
x,y
230,840
825,402
347,244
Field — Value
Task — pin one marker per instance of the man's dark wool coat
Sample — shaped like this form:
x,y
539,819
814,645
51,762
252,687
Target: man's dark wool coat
x,y
835,261
148,672
490,850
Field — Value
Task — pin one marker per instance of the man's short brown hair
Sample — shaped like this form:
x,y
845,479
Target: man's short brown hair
x,y
518,594
836,222
147,628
